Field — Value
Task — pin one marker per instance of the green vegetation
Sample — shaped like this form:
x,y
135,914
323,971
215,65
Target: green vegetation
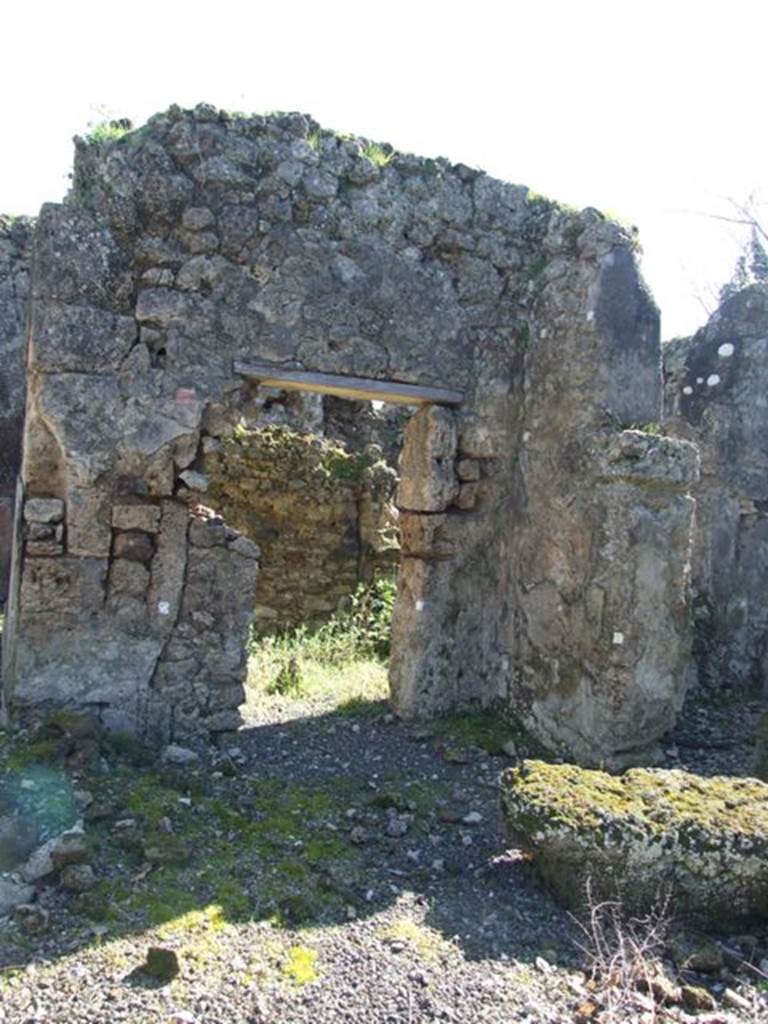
x,y
378,153
653,429
300,965
107,131
429,944
593,802
489,730
344,659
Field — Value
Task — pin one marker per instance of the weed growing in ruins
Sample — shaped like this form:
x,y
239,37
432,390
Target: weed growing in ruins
x,y
108,131
300,965
654,429
378,154
346,656
624,955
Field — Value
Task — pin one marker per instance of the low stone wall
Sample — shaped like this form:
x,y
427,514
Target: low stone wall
x,y
322,515
14,282
716,385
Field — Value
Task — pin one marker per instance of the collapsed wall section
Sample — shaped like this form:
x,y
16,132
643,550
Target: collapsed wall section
x,y
716,396
14,285
201,242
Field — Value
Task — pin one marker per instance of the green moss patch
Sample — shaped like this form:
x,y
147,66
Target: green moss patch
x,y
645,835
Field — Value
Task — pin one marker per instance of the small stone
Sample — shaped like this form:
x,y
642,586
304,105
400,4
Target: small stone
x,y
473,818
18,838
468,469
39,864
466,499
197,218
663,989
70,848
32,918
136,517
509,749
358,835
43,510
736,1001
204,242
12,894
124,825
173,754
44,548
195,481
697,998
183,1017
161,963
78,877
83,798
397,825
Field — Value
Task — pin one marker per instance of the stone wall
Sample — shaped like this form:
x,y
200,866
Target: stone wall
x,y
323,517
717,396
536,532
14,278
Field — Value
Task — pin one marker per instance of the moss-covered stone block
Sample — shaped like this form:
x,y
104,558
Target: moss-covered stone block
x,y
644,836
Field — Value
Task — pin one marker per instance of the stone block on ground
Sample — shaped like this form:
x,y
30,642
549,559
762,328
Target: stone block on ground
x,y
643,836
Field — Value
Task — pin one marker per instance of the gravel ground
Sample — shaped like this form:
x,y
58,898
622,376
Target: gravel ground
x,y
336,865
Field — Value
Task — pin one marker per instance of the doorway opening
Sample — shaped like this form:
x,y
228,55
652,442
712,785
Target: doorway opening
x,y
311,479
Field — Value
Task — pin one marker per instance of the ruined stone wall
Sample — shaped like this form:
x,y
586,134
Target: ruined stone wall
x,y
717,396
201,241
322,516
14,282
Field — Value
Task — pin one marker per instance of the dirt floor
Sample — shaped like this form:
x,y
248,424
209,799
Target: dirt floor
x,y
334,864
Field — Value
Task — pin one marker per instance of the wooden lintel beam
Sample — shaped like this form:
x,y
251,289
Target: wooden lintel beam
x,y
348,387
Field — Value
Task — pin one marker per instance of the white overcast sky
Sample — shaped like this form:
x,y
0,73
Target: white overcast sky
x,y
652,111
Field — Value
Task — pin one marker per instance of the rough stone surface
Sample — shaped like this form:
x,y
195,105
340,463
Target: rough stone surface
x,y
716,387
14,286
18,837
429,481
13,894
644,835
200,241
